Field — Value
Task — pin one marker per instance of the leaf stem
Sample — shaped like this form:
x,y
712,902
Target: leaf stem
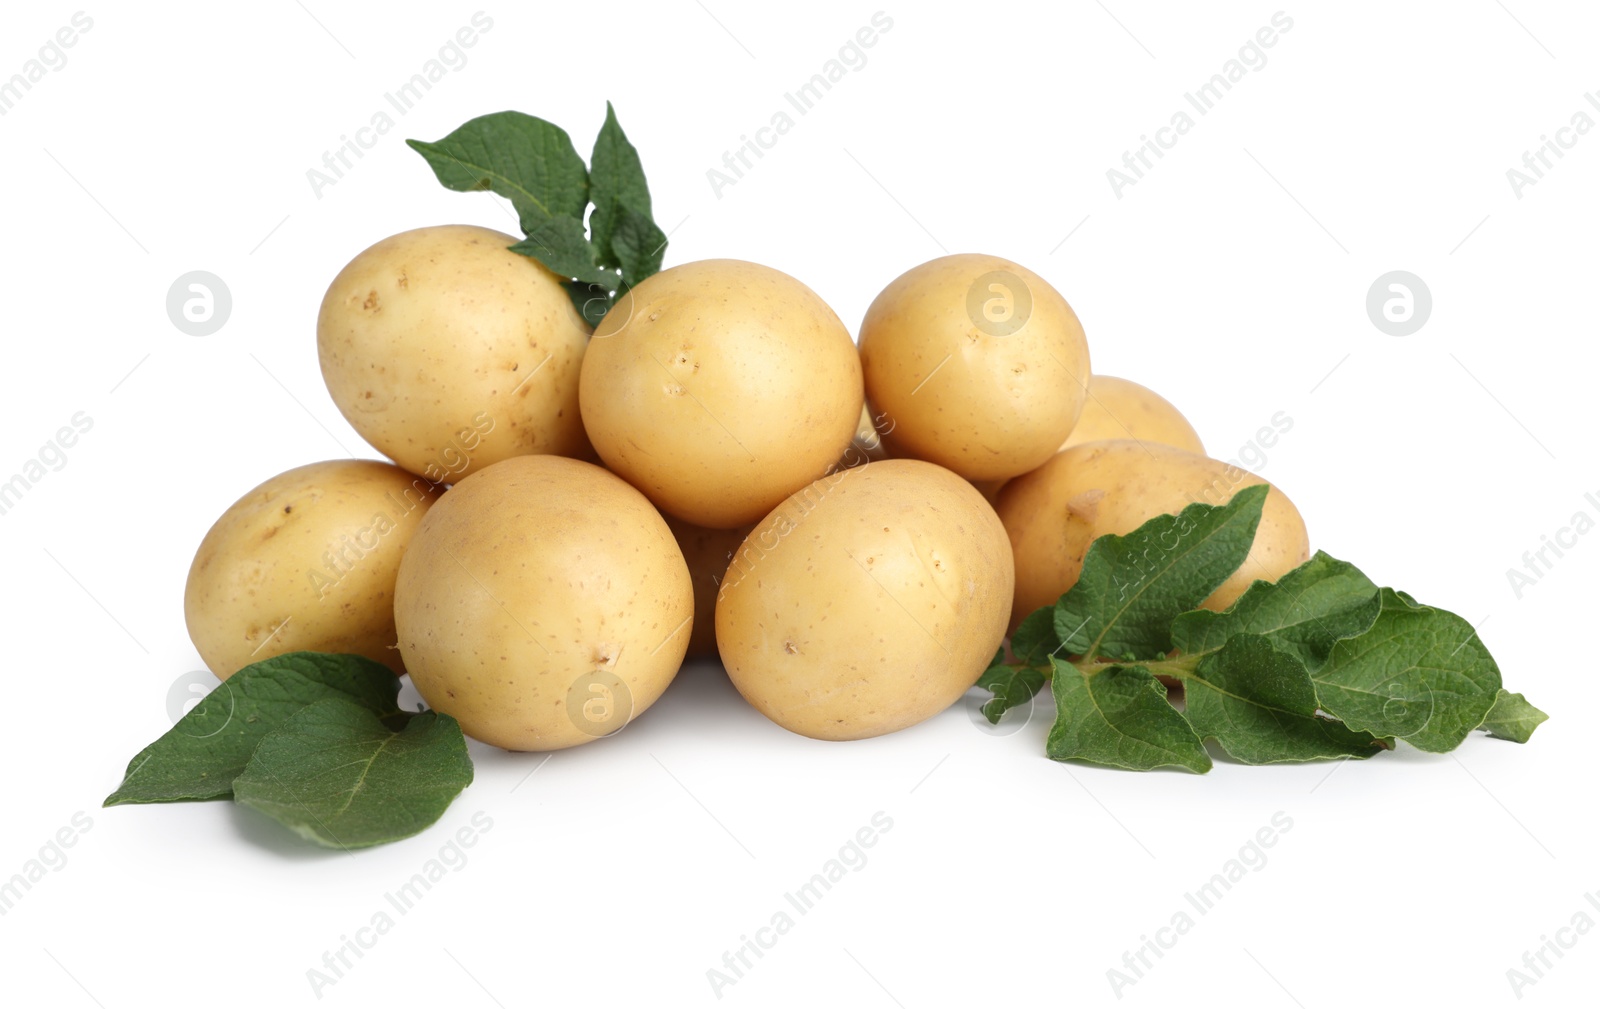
x,y
1180,667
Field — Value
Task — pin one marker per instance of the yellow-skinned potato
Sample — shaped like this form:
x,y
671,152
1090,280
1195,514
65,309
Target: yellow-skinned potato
x,y
979,363
867,445
305,562
448,352
1104,487
707,552
867,602
543,604
720,387
1118,409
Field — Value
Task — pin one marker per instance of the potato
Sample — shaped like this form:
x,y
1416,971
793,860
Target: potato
x,y
1090,490
707,552
719,388
543,604
979,363
1118,408
306,561
448,352
867,602
867,445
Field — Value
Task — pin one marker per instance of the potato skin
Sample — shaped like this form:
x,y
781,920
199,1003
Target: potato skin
x,y
867,602
1090,490
305,561
536,586
708,553
448,352
1119,409
718,388
963,390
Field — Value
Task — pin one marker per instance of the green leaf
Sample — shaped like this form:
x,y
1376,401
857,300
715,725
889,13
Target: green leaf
x,y
592,301
616,183
1260,706
560,245
1012,686
1133,586
200,756
1419,673
1512,717
334,774
1120,717
1034,640
639,246
530,162
1304,612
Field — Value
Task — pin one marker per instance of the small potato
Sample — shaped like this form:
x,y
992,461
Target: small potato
x,y
867,602
867,445
708,553
543,604
305,562
719,388
448,352
979,363
1103,487
1118,409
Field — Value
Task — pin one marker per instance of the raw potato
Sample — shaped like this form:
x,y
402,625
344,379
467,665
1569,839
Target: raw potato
x,y
867,445
543,604
707,552
719,388
1118,408
867,602
448,352
305,562
1055,512
979,362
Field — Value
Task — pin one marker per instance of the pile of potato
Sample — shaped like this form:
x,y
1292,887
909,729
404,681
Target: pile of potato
x,y
717,469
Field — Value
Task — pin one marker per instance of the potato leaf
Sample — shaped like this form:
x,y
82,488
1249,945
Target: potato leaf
x,y
334,774
200,756
1512,717
1260,706
617,184
1120,717
592,301
560,245
1419,673
1035,638
1012,686
638,245
529,161
1132,587
1305,612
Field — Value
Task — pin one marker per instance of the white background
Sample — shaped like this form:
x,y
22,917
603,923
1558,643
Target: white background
x,y
1232,278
